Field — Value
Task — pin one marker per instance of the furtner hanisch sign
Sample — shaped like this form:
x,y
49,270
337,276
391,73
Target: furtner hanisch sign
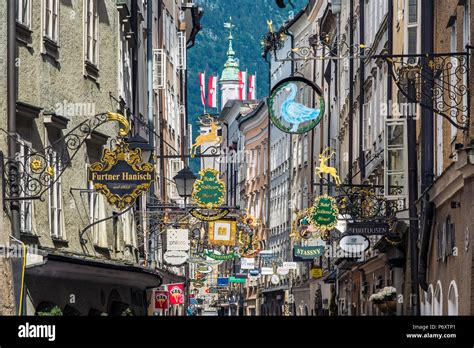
x,y
121,176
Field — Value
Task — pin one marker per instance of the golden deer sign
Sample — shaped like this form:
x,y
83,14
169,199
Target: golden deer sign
x,y
270,25
210,137
324,169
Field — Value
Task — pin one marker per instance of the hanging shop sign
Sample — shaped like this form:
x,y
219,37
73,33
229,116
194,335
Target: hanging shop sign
x,y
209,191
275,279
175,258
254,272
290,265
221,257
121,175
222,281
371,228
290,105
176,293
247,263
177,239
209,215
237,280
354,243
161,299
323,214
307,253
204,269
282,271
316,273
266,254
222,232
267,270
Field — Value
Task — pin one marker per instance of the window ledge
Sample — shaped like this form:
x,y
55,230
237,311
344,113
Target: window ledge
x,y
91,70
23,34
50,48
25,234
59,240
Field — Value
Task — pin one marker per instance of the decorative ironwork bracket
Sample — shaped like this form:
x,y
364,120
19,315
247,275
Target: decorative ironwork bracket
x,y
31,175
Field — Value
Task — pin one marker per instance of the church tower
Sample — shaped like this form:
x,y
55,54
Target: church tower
x,y
229,81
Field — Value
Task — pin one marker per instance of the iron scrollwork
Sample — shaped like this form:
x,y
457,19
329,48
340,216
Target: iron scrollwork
x,y
439,82
30,175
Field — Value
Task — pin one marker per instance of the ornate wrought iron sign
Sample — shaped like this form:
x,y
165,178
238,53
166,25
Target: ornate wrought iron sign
x,y
198,214
222,232
323,214
209,191
290,106
209,138
121,176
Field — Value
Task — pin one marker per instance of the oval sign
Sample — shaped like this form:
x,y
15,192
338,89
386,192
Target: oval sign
x,y
282,271
175,258
354,244
254,272
205,269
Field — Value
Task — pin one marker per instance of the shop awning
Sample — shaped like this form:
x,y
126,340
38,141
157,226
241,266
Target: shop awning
x,y
63,267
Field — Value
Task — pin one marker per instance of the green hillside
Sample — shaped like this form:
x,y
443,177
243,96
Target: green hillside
x,y
209,53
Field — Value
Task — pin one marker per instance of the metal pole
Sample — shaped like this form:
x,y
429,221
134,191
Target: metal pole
x,y
12,146
413,194
361,89
351,92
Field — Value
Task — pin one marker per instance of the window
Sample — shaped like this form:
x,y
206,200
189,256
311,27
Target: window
x,y
50,19
159,69
453,299
395,157
305,149
96,213
181,50
26,206
23,12
367,126
438,300
91,23
446,239
412,41
55,199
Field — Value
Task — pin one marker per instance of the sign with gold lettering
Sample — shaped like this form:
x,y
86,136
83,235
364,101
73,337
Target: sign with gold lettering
x,y
222,232
306,253
323,214
209,191
121,176
316,273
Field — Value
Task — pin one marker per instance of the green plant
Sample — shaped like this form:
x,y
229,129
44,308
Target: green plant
x,y
51,312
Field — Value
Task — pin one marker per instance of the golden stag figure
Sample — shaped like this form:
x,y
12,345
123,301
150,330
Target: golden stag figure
x,y
323,168
210,137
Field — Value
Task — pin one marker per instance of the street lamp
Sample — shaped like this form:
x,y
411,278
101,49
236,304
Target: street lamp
x,y
184,181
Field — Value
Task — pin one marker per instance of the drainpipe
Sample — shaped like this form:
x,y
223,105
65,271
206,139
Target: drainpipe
x,y
361,90
351,92
12,148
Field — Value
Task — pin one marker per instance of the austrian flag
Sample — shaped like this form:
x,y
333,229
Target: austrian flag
x,y
202,86
252,87
212,96
242,85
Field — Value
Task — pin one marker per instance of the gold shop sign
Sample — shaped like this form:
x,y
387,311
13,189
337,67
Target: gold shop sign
x,y
121,176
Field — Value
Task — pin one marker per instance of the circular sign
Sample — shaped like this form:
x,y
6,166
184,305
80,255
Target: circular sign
x,y
275,279
291,107
354,244
204,269
175,258
282,271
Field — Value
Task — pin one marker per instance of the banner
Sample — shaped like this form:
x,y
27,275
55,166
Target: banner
x,y
176,293
212,96
221,257
161,299
177,239
307,253
253,87
202,86
242,85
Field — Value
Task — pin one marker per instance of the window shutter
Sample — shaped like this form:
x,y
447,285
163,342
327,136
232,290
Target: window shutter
x,y
159,69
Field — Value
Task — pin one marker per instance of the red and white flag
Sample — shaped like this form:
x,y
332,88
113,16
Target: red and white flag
x,y
212,96
242,85
202,86
161,299
253,87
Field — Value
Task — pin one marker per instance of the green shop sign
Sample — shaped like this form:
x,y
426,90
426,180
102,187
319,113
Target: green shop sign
x,y
237,280
209,191
221,257
323,214
307,252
